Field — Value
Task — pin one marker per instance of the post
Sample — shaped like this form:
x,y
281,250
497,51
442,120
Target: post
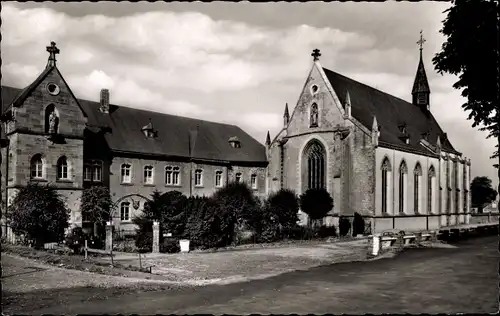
x,y
156,237
140,262
375,244
85,249
109,237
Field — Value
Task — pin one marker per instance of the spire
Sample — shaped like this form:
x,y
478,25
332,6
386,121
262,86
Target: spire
x,y
268,139
375,124
286,116
421,90
347,104
375,132
53,50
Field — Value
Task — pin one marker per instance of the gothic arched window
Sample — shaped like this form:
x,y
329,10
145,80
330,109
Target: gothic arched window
x,y
417,174
51,119
431,183
386,170
403,173
316,157
314,115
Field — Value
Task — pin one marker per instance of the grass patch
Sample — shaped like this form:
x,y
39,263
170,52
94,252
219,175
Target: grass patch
x,y
65,259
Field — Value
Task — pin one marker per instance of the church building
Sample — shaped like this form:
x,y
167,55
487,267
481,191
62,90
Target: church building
x,y
377,155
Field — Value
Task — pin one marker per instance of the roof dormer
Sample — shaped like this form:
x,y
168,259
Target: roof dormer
x,y
234,142
148,130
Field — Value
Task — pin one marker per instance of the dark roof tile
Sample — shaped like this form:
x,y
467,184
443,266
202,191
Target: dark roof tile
x,y
390,111
174,133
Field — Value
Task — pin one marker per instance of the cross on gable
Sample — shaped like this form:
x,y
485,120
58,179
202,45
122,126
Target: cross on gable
x,y
315,54
421,41
53,50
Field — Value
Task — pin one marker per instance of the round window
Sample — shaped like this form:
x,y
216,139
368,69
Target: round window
x,y
314,88
53,88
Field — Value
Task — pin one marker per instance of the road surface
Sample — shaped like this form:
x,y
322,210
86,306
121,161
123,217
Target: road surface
x,y
461,279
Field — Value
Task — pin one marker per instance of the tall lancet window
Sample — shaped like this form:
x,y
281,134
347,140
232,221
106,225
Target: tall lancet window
x,y
314,115
431,184
403,174
417,174
386,171
316,156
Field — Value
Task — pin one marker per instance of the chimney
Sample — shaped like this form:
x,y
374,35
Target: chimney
x,y
104,107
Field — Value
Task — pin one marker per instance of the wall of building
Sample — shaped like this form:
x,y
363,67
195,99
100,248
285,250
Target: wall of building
x,y
396,157
28,137
139,191
349,161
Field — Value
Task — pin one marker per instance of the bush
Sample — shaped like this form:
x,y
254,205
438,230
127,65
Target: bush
x,y
316,203
170,245
172,217
75,240
326,231
40,213
358,225
301,233
144,242
239,206
344,226
97,207
209,226
279,213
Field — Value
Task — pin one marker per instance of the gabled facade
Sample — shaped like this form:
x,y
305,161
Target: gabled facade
x,y
50,136
376,154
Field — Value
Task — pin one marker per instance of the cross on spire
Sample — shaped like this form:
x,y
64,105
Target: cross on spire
x,y
421,41
53,50
315,54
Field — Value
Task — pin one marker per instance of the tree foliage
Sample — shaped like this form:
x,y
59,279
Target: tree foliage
x,y
482,192
40,213
208,227
316,203
471,52
279,215
96,204
237,200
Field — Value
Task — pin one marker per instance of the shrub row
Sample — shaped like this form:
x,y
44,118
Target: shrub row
x,y
232,215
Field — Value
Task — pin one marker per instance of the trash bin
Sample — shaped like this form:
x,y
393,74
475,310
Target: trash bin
x,y
184,244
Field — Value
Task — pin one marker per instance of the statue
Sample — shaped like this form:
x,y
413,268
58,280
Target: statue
x,y
53,122
314,115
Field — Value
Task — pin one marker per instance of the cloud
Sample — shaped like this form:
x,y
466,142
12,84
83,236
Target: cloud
x,y
233,63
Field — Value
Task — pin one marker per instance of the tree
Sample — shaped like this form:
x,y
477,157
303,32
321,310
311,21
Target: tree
x,y
238,200
40,213
482,192
168,209
471,52
316,203
280,213
97,207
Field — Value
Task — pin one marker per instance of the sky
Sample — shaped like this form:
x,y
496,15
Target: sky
x,y
236,63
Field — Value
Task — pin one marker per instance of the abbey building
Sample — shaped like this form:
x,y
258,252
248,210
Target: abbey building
x,y
377,155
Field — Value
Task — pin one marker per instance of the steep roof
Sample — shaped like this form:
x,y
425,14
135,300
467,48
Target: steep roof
x,y
391,112
174,133
420,84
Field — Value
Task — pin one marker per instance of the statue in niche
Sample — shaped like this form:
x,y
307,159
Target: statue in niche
x,y
314,115
53,122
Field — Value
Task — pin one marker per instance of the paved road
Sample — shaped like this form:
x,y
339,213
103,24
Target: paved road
x,y
462,279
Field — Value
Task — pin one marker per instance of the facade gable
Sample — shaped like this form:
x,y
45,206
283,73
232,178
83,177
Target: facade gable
x,y
47,106
318,108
